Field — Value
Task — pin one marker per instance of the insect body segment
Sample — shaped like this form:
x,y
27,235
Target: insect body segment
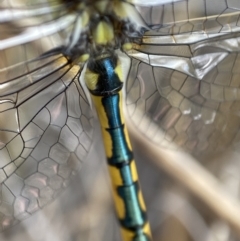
x,y
110,28
107,97
102,26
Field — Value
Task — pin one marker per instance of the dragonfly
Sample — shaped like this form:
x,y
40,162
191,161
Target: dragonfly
x,y
182,88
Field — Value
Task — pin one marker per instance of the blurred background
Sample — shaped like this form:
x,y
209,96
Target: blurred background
x,y
187,200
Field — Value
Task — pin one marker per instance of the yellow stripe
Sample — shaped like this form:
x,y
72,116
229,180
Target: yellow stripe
x,y
122,116
115,176
127,234
91,80
100,110
147,230
134,171
117,179
119,203
107,139
118,71
127,137
101,5
141,201
103,33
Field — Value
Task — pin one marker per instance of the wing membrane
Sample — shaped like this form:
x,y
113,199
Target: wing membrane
x,y
194,16
185,80
47,135
27,31
46,123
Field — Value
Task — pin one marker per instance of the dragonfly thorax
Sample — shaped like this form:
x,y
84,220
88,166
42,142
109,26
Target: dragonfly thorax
x,y
102,27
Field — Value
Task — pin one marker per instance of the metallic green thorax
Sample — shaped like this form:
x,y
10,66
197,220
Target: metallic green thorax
x,y
106,94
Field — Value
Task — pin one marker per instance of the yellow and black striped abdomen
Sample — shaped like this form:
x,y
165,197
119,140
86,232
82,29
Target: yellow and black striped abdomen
x,y
103,78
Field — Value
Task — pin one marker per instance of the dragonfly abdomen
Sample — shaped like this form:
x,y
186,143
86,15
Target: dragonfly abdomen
x,y
103,78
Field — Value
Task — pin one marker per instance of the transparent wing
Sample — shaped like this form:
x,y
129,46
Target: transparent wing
x,y
45,119
192,17
46,133
187,83
183,88
31,29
